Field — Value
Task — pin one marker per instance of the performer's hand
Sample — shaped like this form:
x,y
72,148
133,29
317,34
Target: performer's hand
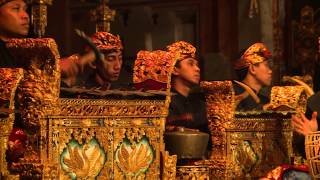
x,y
87,59
303,125
74,65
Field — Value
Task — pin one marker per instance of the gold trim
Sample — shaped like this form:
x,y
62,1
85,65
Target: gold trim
x,y
9,81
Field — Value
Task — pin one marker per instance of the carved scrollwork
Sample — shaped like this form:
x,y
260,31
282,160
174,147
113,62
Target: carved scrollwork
x,y
131,145
169,166
86,107
289,97
252,152
220,110
39,89
193,172
9,80
83,161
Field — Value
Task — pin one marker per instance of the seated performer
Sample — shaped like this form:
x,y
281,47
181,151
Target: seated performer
x,y
254,71
187,108
307,123
99,73
14,23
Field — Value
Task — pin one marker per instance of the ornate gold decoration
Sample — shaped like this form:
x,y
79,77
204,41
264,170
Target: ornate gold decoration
x,y
248,145
103,15
87,107
129,132
312,146
244,156
288,97
305,81
193,172
107,41
155,65
169,166
83,162
39,90
181,50
134,159
9,80
39,15
217,167
256,53
257,145
220,109
38,94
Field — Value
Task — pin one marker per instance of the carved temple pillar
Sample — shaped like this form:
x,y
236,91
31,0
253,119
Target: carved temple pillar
x,y
39,16
277,40
103,15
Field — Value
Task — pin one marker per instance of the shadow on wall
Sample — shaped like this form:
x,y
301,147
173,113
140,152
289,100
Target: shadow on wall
x,y
217,67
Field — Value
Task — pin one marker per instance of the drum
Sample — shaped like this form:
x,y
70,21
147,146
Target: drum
x,y
312,145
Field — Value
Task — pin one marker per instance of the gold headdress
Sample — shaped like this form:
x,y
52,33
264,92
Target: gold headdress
x,y
153,69
5,1
256,53
106,41
154,65
182,50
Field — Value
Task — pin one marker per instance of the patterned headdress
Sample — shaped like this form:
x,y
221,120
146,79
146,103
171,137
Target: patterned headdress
x,y
106,41
152,65
2,2
182,50
256,53
153,69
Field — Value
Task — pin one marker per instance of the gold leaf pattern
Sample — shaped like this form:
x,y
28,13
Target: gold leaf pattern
x,y
84,162
134,159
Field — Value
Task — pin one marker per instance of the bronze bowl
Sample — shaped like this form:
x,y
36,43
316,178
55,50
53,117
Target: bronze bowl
x,y
186,143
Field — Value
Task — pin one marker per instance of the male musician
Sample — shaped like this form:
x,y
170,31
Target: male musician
x,y
254,71
103,72
14,23
187,108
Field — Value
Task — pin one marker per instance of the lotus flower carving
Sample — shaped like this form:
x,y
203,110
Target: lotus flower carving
x,y
135,159
83,162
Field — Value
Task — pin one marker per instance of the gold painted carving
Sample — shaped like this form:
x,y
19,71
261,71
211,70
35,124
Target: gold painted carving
x,y
130,135
247,145
169,166
220,111
156,65
253,152
85,162
312,147
86,107
40,87
220,108
9,80
133,159
193,172
288,98
39,16
103,16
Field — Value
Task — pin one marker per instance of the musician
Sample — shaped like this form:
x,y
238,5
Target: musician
x,y
187,108
98,73
255,73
